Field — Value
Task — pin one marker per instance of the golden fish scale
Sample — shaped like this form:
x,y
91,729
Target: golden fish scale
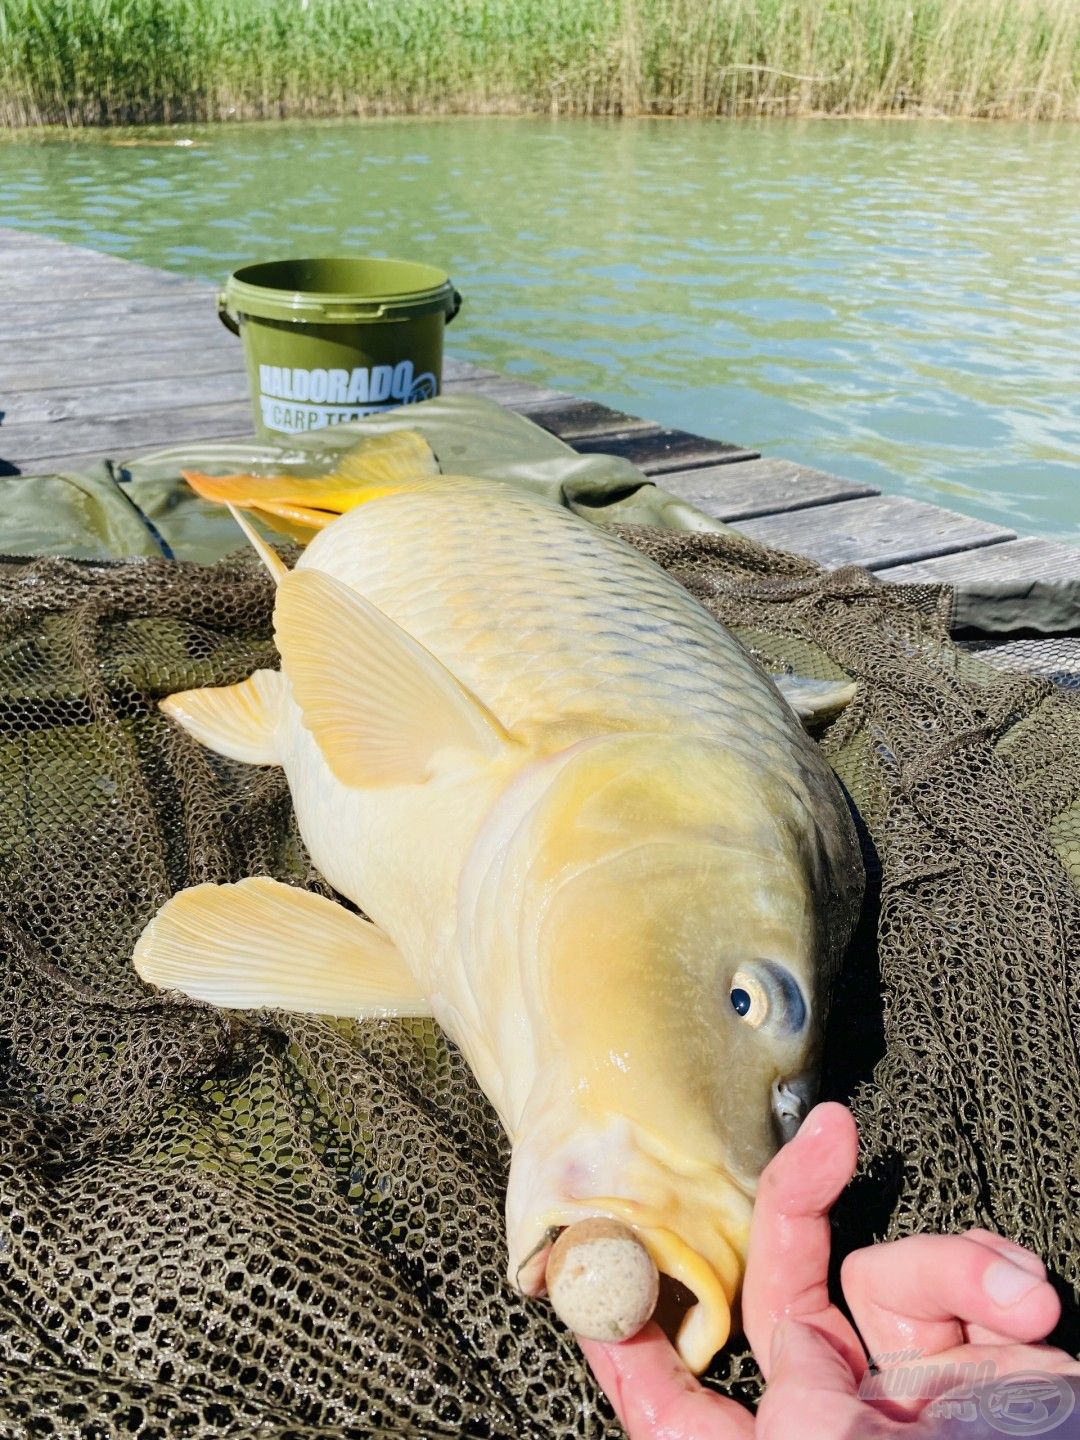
x,y
547,617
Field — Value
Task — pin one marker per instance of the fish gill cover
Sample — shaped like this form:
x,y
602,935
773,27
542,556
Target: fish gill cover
x,y
220,1224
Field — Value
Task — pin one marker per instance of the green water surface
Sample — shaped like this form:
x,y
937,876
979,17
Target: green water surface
x,y
897,302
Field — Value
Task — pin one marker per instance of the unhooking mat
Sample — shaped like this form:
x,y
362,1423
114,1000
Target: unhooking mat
x,y
221,1224
142,507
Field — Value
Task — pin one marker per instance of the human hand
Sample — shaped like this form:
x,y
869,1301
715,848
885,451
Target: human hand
x,y
975,1300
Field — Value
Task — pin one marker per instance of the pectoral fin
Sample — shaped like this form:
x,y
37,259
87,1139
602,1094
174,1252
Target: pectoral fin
x,y
261,944
815,700
380,706
235,720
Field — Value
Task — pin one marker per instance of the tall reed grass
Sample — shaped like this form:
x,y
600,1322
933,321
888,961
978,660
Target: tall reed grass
x,y
92,62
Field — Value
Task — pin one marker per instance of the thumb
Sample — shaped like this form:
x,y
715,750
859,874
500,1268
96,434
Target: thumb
x,y
812,1391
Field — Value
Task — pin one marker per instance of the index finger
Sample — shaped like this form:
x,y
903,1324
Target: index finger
x,y
788,1262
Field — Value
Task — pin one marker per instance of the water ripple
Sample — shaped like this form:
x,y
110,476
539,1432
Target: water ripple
x,y
896,302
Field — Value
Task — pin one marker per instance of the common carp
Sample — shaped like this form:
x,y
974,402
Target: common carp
x,y
590,835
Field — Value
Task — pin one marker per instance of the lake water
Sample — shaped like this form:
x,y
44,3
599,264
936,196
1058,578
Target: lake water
x,y
894,302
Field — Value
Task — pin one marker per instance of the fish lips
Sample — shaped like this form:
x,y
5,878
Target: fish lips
x,y
703,1295
692,1216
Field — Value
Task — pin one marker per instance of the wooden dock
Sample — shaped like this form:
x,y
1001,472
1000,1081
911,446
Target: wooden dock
x,y
103,357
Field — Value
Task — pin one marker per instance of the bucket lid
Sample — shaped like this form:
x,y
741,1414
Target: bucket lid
x,y
340,290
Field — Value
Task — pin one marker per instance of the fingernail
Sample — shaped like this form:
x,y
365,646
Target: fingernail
x,y
1007,1284
1026,1260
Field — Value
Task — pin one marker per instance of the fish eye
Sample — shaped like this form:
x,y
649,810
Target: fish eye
x,y
763,992
741,1001
749,998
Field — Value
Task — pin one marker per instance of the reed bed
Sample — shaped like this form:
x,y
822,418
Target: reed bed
x,y
100,62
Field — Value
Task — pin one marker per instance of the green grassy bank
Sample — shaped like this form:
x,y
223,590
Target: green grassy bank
x,y
88,62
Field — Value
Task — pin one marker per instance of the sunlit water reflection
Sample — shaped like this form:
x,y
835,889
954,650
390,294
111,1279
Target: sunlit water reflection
x,y
895,302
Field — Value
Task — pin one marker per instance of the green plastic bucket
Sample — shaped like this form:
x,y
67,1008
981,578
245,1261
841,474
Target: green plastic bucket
x,y
328,340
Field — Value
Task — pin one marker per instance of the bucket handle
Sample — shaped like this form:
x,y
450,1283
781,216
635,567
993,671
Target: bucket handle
x,y
229,320
225,315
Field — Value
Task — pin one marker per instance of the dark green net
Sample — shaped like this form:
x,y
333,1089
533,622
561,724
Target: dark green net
x,y
229,1225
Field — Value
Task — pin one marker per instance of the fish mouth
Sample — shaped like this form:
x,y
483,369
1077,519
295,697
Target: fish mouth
x,y
692,1219
696,1308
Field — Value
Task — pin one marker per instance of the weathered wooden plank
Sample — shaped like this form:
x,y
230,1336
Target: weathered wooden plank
x,y
114,401
30,282
572,419
39,246
27,447
44,364
16,242
462,372
12,235
26,252
37,249
71,293
658,451
25,316
50,284
124,318
92,353
760,487
15,236
80,263
50,294
874,532
150,363
72,321
35,252
878,532
1022,561
147,322
117,317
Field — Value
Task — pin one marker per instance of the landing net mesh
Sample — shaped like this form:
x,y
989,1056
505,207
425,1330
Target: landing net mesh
x,y
226,1225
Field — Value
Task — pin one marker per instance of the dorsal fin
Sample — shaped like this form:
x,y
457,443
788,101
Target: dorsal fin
x,y
380,706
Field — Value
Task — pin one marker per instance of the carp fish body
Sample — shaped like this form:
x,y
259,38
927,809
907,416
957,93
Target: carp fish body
x,y
592,838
